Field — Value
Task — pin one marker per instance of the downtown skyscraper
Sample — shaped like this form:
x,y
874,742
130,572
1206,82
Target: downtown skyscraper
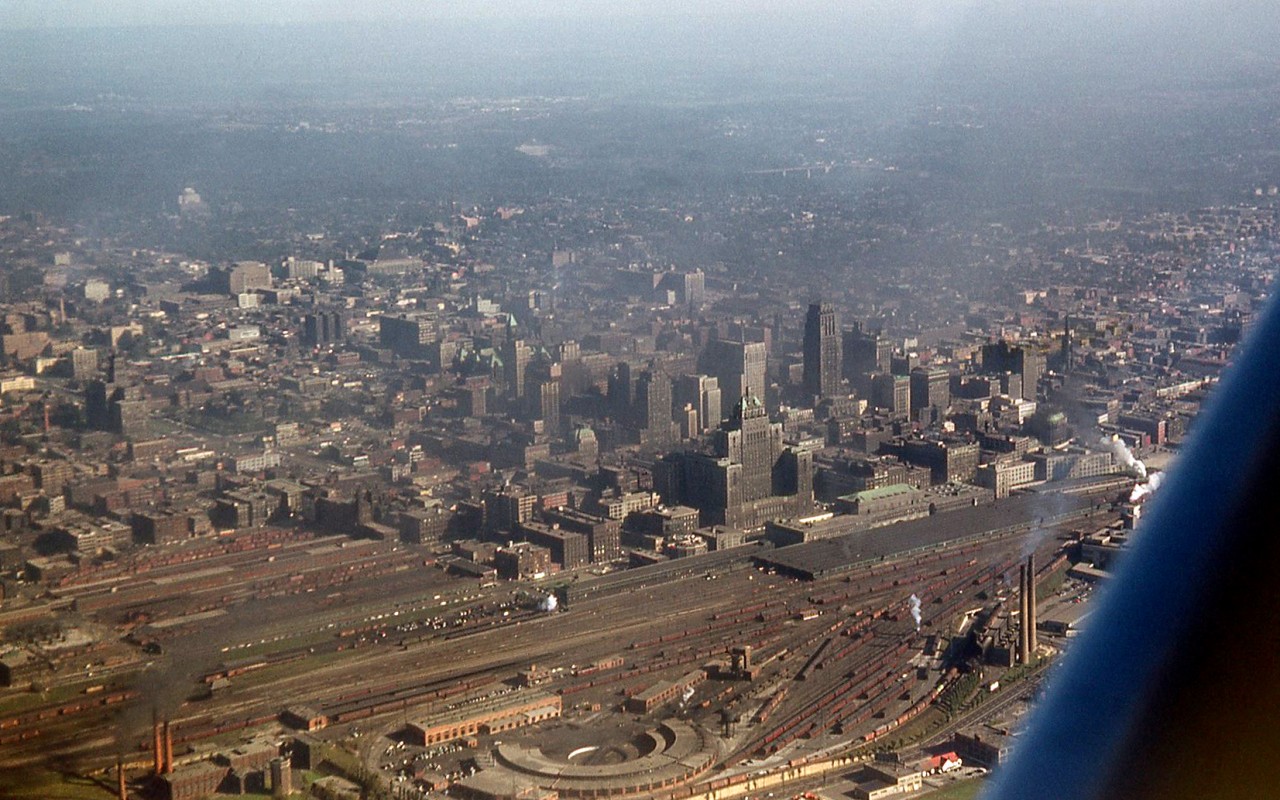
x,y
822,350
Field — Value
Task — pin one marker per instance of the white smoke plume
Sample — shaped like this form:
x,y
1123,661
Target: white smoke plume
x,y
1124,457
1144,489
687,695
549,603
914,602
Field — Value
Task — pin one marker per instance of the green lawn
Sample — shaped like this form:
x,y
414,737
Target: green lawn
x,y
45,784
961,790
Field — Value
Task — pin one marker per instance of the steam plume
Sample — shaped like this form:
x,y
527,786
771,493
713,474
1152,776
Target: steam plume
x,y
1143,489
914,602
549,603
1124,456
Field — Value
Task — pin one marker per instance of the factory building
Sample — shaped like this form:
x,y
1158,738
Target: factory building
x,y
882,779
569,550
486,716
159,527
663,692
985,745
603,533
522,560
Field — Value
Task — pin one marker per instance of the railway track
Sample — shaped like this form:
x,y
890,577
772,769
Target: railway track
x,y
699,619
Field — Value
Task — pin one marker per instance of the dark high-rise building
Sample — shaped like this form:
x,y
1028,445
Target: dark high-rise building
x,y
472,395
892,393
930,389
543,389
129,415
111,407
621,392
323,327
738,366
652,409
408,336
904,363
822,351
97,412
515,361
1021,359
702,393
865,353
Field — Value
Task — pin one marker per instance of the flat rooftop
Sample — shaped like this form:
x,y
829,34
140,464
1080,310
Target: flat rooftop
x,y
841,553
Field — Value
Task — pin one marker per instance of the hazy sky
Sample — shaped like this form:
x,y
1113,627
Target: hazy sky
x,y
93,13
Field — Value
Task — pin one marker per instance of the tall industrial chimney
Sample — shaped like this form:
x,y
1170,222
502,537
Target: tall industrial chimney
x,y
281,777
120,787
157,743
1032,604
1024,638
168,748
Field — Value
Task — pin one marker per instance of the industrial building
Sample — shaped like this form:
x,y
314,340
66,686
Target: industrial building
x,y
663,692
881,779
486,716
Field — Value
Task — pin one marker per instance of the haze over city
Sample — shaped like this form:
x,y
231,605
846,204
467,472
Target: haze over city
x,y
530,400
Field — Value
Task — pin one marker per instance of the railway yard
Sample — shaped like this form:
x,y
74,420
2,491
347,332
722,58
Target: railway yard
x,y
658,680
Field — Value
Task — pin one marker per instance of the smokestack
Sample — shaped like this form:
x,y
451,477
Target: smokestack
x,y
120,787
1023,636
168,748
158,743
1031,604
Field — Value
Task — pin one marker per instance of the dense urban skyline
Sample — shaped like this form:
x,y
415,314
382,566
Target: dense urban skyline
x,y
505,402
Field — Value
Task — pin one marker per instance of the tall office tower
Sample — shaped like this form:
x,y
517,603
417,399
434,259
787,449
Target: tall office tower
x,y
84,363
326,327
695,289
97,410
892,393
755,442
1021,359
652,409
749,478
687,420
543,391
621,392
865,353
738,366
702,392
549,405
822,350
515,361
930,389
